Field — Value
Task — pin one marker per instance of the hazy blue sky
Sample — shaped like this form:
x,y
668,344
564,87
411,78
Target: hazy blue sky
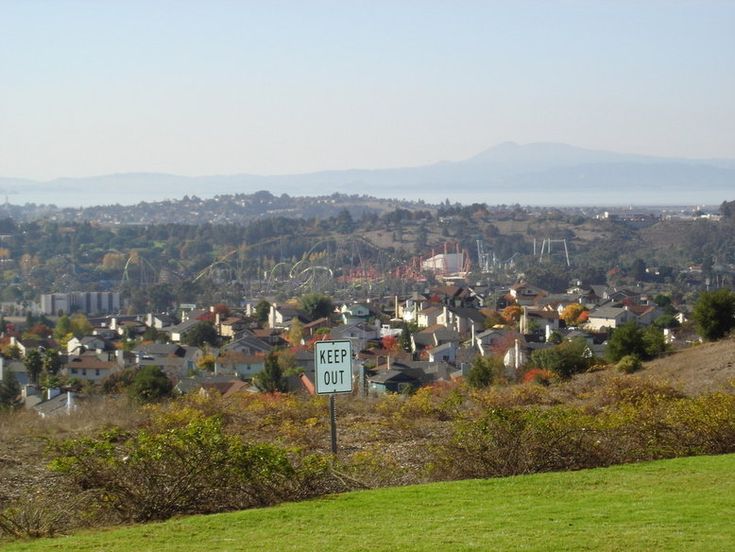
x,y
92,87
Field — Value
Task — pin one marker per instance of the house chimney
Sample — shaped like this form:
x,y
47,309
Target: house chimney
x,y
395,299
445,314
387,361
472,330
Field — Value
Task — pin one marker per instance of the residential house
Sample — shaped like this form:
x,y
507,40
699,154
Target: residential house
x,y
230,326
526,294
428,316
87,366
355,313
310,328
248,344
76,346
446,352
239,364
408,375
433,336
176,360
179,332
608,317
358,334
463,320
60,403
281,316
16,369
159,321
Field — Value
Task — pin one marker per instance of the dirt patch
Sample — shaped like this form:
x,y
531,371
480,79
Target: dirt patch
x,y
699,369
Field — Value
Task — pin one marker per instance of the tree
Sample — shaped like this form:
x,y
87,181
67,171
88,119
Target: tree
x,y
262,310
150,384
62,328
344,222
201,333
390,343
9,391
654,342
662,300
626,340
271,379
492,319
512,314
80,326
316,305
565,359
714,313
405,339
484,371
34,364
666,321
572,313
51,362
295,332
221,309
638,270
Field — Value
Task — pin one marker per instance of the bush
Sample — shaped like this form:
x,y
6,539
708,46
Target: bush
x,y
539,376
645,425
186,469
629,364
485,371
565,359
41,516
150,384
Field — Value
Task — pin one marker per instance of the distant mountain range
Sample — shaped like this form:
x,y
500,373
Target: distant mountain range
x,y
531,174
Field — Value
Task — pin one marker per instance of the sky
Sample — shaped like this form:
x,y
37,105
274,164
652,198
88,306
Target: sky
x,y
269,87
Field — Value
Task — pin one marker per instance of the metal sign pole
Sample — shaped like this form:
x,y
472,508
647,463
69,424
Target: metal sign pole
x,y
333,420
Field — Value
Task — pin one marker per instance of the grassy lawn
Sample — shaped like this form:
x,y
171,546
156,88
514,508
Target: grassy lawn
x,y
684,504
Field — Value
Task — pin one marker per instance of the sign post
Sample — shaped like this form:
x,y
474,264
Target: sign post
x,y
333,372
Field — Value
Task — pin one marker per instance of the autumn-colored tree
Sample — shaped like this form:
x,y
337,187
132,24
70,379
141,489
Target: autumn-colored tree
x,y
390,343
80,326
501,346
492,319
114,260
221,309
512,314
295,333
41,330
572,313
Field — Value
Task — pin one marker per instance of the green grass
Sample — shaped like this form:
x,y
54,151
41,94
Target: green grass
x,y
683,504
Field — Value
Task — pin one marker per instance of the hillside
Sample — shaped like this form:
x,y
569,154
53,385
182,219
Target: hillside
x,y
536,174
682,504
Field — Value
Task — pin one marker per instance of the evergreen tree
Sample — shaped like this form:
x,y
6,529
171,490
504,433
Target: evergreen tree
x,y
714,313
9,391
34,365
271,379
150,384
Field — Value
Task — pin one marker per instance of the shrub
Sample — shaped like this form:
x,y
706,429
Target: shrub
x,y
538,375
629,364
485,371
41,516
185,469
565,359
646,425
150,384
